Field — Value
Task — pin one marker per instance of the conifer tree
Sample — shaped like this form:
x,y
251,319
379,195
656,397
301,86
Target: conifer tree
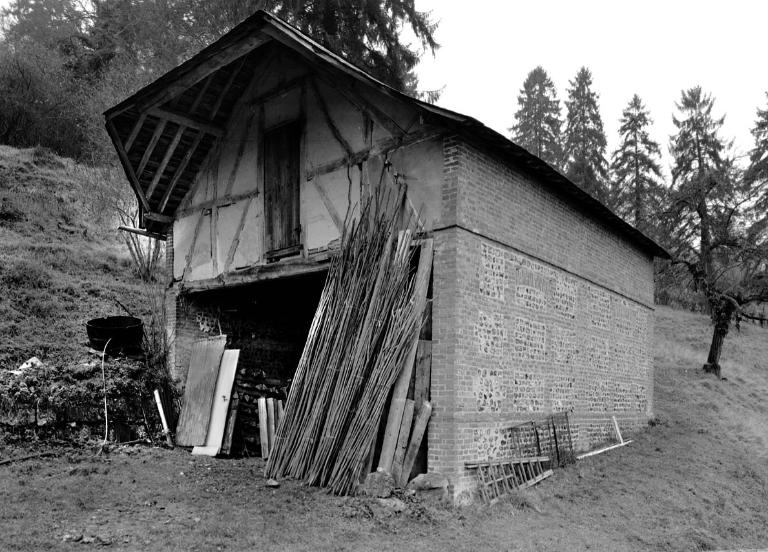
x,y
636,190
757,173
537,120
585,142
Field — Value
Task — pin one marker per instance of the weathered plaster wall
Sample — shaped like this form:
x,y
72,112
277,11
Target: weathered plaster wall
x,y
538,309
219,226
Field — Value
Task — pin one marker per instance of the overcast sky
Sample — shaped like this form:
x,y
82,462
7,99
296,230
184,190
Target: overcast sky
x,y
653,48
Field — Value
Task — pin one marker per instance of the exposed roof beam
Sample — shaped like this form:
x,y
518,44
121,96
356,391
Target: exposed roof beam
x,y
141,232
135,132
157,217
126,163
151,146
167,157
244,100
179,171
190,121
201,94
227,86
216,60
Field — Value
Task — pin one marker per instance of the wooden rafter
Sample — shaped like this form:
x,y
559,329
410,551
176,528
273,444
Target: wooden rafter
x,y
190,121
126,163
216,61
227,86
201,94
255,80
135,132
164,163
179,171
329,120
151,146
141,232
157,217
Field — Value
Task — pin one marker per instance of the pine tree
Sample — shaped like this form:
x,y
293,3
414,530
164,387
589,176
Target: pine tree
x,y
537,126
757,173
154,36
365,33
585,142
636,190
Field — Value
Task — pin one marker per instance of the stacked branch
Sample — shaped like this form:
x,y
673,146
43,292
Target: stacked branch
x,y
359,341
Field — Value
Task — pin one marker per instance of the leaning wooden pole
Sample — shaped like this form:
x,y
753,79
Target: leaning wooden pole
x,y
400,391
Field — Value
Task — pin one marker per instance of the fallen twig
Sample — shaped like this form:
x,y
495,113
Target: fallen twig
x,y
135,442
602,450
28,457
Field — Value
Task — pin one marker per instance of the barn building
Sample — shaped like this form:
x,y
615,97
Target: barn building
x,y
251,156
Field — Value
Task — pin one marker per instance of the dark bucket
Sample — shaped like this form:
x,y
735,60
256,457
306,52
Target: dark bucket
x,y
125,333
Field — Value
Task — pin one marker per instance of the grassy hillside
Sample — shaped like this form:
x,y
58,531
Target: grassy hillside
x,y
61,261
695,479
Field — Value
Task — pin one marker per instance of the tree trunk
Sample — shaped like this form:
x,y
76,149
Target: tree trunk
x,y
722,314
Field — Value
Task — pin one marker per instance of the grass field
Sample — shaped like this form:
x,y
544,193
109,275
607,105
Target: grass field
x,y
61,259
696,479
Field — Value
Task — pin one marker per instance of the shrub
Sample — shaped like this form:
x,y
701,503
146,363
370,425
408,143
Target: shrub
x,y
24,274
40,102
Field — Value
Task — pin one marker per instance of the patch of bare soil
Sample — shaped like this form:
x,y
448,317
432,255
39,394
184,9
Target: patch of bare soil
x,y
695,479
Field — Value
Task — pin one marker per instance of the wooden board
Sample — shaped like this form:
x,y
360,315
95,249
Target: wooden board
x,y
229,431
400,389
402,440
419,428
271,422
220,407
263,433
422,373
198,393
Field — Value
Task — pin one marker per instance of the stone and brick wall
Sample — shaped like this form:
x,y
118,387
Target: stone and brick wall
x,y
538,309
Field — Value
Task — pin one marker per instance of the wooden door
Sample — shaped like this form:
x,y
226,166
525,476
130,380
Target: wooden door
x,y
281,190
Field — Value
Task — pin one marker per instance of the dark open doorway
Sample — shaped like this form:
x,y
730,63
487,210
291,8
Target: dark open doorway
x,y
268,322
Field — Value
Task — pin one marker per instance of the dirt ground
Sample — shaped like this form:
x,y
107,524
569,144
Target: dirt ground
x,y
695,479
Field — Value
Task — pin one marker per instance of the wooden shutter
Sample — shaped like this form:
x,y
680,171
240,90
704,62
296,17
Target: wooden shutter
x,y
281,190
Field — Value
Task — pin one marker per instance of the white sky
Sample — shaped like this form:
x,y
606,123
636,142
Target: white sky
x,y
655,48
650,47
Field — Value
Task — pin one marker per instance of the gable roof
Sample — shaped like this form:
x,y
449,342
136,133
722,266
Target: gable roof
x,y
163,132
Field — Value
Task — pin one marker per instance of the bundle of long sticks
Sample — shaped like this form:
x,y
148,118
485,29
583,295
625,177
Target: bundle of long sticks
x,y
363,329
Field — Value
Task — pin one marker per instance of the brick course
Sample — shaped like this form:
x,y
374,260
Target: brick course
x,y
538,309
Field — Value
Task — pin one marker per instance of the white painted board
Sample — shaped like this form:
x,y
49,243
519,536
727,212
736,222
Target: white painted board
x,y
220,407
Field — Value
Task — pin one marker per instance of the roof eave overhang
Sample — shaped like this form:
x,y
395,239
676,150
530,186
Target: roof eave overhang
x,y
262,27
